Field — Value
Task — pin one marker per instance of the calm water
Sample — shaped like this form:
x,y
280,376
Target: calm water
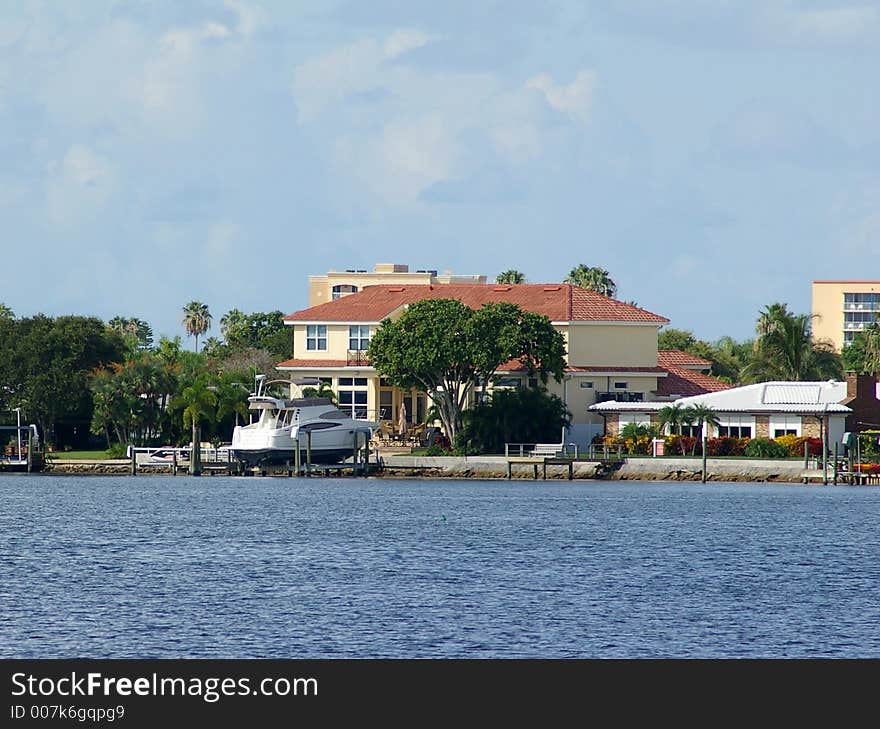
x,y
239,568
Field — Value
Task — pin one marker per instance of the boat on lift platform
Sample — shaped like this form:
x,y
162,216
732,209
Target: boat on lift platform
x,y
285,425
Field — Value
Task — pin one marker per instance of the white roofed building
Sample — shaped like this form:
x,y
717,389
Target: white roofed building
x,y
762,410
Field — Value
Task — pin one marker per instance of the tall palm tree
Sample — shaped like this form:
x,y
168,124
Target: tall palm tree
x,y
196,319
510,276
592,278
785,349
199,402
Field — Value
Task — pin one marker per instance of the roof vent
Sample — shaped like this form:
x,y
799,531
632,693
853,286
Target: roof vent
x,y
501,288
396,288
553,288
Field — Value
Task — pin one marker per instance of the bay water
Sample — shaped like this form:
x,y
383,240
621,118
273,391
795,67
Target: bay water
x,y
223,567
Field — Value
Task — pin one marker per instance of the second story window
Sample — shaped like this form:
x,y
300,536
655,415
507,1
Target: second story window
x,y
358,338
316,336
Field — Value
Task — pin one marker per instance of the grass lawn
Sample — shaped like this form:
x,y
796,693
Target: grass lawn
x,y
89,455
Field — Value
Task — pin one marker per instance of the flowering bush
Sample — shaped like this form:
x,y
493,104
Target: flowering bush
x,y
794,444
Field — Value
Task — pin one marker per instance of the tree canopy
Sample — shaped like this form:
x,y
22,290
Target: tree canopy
x,y
445,349
196,320
862,355
510,276
593,278
785,349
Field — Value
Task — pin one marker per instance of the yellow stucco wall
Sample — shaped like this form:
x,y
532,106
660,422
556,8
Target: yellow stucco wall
x,y
337,342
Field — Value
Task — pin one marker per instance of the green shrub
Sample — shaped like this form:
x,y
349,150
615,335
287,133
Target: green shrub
x,y
765,448
117,450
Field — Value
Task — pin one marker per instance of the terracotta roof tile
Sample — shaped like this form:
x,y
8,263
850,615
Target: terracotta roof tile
x,y
684,383
677,358
558,302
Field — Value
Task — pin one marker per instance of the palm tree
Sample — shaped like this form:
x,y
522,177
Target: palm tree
x,y
592,278
199,402
196,319
670,415
510,276
703,414
785,350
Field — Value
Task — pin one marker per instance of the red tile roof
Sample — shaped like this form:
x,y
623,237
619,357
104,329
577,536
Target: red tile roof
x,y
558,302
684,383
677,358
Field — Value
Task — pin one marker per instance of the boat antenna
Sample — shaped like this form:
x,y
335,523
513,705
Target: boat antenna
x,y
258,381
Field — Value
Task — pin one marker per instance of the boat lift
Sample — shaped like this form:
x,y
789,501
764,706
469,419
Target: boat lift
x,y
26,455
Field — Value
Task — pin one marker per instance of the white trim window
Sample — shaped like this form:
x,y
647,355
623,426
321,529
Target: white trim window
x,y
316,337
637,418
736,426
358,338
783,424
353,396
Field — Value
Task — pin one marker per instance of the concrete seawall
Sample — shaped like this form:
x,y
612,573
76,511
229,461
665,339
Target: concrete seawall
x,y
495,467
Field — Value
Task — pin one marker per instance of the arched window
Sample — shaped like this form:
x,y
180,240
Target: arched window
x,y
341,290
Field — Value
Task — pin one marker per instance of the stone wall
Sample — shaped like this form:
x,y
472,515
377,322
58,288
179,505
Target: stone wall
x,y
762,426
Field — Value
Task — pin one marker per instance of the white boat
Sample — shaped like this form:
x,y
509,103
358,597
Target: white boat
x,y
306,423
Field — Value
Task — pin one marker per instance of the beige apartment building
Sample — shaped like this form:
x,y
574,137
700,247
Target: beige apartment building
x,y
843,308
611,349
336,284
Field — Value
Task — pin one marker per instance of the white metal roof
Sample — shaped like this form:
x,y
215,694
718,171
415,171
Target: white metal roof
x,y
768,397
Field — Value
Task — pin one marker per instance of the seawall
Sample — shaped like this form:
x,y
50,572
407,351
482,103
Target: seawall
x,y
495,467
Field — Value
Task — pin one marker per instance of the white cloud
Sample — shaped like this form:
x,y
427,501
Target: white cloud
x,y
402,41
575,100
79,186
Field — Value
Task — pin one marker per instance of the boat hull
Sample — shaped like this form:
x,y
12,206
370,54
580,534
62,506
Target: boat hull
x,y
258,457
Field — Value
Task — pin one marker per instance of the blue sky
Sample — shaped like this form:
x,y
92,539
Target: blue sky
x,y
714,156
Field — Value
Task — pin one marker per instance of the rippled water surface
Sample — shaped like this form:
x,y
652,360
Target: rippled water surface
x,y
317,568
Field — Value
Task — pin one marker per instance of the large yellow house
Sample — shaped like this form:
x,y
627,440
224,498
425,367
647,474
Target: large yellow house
x,y
611,349
843,308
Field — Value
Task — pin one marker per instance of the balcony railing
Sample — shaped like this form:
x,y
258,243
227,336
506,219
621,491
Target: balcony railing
x,y
357,358
620,396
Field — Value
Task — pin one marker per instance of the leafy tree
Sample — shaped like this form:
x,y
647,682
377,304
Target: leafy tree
x,y
45,366
444,348
137,333
679,339
862,355
196,320
6,312
785,350
510,276
526,415
592,278
260,330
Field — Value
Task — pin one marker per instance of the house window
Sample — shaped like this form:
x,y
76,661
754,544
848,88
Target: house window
x,y
736,426
508,382
533,382
343,290
784,425
358,338
585,385
621,385
637,418
353,396
386,404
316,337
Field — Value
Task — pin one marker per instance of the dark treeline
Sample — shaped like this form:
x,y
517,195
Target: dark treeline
x,y
86,383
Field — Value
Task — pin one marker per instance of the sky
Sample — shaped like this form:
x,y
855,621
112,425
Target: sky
x,y
714,156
